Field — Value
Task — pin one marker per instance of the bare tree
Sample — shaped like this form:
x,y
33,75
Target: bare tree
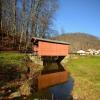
x,y
22,19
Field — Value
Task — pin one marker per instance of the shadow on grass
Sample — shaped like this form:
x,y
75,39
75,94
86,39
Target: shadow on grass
x,y
9,73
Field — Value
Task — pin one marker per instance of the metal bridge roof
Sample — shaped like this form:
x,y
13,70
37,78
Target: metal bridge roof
x,y
48,40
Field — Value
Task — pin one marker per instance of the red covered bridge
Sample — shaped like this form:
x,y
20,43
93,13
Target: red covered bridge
x,y
46,47
52,53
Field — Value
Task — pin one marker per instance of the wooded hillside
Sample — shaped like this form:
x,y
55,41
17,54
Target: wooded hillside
x,y
22,19
80,41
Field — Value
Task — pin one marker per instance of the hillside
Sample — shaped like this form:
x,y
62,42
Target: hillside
x,y
80,41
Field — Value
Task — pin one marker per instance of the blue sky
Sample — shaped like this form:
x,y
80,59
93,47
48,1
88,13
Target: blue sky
x,y
78,16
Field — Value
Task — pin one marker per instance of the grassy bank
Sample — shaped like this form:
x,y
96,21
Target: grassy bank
x,y
8,59
11,64
86,73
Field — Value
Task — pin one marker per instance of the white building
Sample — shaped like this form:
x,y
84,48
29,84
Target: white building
x,y
81,52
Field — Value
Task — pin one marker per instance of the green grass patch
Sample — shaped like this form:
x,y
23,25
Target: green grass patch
x,y
8,59
12,66
86,72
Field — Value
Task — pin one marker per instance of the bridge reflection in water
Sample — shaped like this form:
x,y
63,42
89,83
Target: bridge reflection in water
x,y
62,91
57,92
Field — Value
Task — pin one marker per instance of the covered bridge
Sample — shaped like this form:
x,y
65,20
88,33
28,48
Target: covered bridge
x,y
52,53
46,47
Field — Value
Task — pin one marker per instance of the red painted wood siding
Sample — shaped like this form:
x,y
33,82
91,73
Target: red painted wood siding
x,y
52,49
34,48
